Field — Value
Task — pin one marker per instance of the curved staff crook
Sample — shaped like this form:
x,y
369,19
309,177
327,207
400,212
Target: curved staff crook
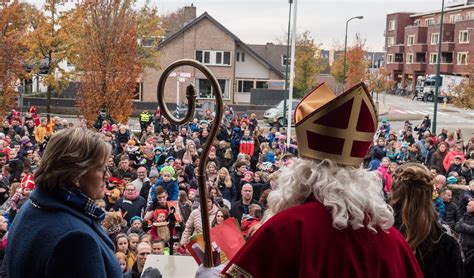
x,y
191,96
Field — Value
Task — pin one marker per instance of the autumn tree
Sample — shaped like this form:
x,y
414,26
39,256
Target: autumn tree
x,y
49,44
464,92
308,64
12,52
356,64
149,33
379,81
109,65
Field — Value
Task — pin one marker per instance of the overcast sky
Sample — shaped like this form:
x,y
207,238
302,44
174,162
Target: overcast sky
x,y
261,21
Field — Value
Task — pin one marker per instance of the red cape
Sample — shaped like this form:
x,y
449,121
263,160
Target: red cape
x,y
301,242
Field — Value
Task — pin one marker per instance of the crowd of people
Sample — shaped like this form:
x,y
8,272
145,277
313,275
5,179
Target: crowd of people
x,y
151,196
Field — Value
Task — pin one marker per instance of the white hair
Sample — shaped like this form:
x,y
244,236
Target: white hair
x,y
353,196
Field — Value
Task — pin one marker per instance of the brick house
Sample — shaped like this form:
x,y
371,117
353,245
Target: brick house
x,y
411,42
237,67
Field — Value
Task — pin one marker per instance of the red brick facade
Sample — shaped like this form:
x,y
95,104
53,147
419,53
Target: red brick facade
x,y
411,43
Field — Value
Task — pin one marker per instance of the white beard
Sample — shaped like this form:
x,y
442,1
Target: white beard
x,y
352,196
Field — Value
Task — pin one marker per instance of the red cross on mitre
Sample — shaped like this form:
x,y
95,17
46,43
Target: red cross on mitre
x,y
339,128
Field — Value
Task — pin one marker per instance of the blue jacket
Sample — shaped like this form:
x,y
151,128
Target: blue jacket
x,y
53,239
171,187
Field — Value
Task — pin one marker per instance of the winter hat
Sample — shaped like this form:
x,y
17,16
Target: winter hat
x,y
154,173
25,140
168,169
452,180
115,180
135,218
131,142
159,149
28,182
204,122
282,137
169,158
249,173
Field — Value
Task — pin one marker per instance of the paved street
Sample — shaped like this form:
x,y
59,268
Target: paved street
x,y
401,109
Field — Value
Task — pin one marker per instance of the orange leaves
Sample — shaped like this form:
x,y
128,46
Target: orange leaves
x,y
12,29
108,61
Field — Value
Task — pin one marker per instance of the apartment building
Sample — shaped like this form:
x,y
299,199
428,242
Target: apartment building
x,y
411,42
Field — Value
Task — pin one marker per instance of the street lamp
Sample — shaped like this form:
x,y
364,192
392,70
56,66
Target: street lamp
x,y
286,67
345,49
438,63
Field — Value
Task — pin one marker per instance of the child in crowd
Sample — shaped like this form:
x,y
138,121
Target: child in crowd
x,y
136,226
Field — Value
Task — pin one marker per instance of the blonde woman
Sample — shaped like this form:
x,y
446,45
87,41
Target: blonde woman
x,y
178,150
224,183
190,152
211,172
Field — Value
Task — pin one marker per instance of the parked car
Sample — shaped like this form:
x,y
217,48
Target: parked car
x,y
277,111
182,109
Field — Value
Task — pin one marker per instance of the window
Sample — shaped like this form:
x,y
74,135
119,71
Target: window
x,y
214,58
148,42
205,89
399,58
455,18
244,86
433,58
285,60
390,41
464,36
240,56
446,57
470,16
411,40
391,25
237,56
410,57
389,58
462,58
430,21
243,56
417,22
434,38
421,57
137,93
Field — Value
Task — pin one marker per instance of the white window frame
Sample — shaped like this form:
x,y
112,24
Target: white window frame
x,y
213,57
390,58
470,15
432,58
455,18
390,41
392,24
460,58
411,40
225,93
434,41
464,36
283,57
410,59
430,21
417,22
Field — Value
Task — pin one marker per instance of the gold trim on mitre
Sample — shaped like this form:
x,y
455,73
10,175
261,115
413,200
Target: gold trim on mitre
x,y
320,103
314,100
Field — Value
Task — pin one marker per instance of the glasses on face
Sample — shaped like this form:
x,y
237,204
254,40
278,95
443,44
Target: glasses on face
x,y
130,189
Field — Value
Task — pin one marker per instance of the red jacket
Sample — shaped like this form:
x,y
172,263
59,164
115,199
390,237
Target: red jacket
x,y
301,242
247,145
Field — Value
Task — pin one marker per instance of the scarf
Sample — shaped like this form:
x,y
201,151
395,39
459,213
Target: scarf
x,y
78,200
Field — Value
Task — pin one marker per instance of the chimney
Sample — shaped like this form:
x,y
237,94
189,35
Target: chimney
x,y
189,13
